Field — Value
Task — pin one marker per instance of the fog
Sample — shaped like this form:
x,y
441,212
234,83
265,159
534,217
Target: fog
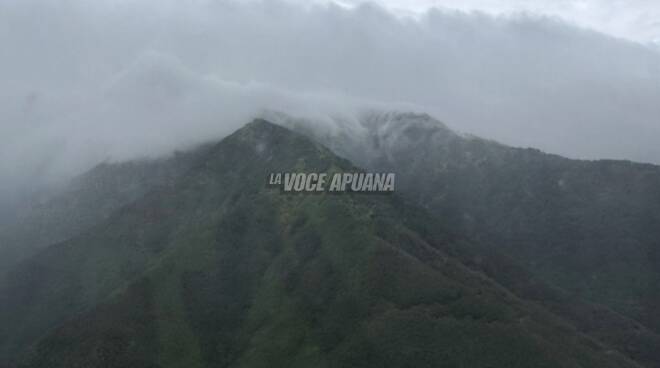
x,y
84,82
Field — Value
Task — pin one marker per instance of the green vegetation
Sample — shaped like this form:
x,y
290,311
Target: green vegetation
x,y
565,233
215,269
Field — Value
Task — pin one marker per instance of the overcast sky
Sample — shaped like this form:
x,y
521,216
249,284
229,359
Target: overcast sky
x,y
84,81
637,20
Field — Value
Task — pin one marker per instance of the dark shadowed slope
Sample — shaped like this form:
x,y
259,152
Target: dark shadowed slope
x,y
592,228
217,270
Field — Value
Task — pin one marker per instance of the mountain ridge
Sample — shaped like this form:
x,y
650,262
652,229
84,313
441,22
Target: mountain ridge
x,y
512,198
218,270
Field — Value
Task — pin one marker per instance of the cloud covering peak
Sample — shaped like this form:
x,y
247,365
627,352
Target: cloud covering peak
x,y
111,79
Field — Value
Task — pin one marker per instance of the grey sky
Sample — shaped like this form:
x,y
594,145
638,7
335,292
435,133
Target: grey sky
x,y
637,20
84,81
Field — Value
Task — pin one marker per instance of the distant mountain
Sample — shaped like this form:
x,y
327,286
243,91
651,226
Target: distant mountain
x,y
215,269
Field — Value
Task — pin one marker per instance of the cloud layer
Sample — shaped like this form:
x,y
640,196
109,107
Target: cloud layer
x,y
636,20
87,81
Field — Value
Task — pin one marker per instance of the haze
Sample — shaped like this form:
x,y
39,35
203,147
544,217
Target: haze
x,y
88,81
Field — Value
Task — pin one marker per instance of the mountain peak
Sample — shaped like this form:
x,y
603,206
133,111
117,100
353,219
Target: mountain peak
x,y
402,120
218,270
259,129
259,124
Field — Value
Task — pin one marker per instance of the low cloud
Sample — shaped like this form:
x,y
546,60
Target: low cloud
x,y
111,80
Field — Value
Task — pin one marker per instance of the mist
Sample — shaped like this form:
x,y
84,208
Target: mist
x,y
85,82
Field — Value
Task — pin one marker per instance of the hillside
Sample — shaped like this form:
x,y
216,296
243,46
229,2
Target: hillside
x,y
87,200
591,228
215,269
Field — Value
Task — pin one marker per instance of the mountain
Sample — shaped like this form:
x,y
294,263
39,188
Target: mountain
x,y
87,200
590,228
217,269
